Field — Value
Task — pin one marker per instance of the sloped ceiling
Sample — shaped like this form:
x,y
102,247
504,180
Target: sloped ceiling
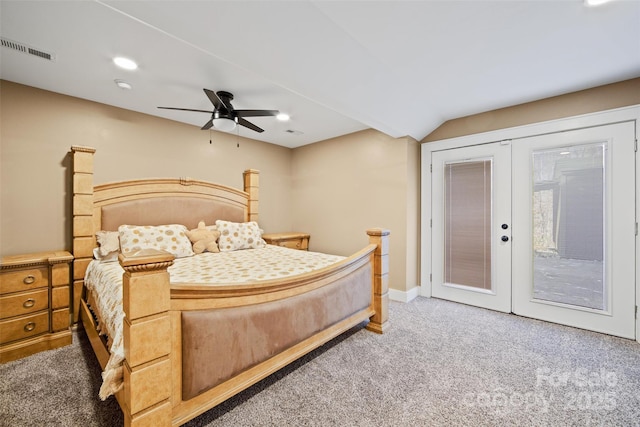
x,y
336,67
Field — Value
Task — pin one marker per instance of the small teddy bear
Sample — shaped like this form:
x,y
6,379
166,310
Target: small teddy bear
x,y
204,239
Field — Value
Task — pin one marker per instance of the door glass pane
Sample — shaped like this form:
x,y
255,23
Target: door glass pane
x,y
568,225
468,223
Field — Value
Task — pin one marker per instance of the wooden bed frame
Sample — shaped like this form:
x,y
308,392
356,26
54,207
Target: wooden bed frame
x,y
152,394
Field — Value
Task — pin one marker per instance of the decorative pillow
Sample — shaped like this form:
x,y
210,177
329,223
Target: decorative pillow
x,y
171,238
108,246
204,238
239,235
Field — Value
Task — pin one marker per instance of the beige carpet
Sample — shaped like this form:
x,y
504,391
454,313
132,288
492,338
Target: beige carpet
x,y
440,364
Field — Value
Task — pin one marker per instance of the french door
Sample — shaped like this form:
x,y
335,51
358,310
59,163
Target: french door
x,y
574,252
542,226
471,217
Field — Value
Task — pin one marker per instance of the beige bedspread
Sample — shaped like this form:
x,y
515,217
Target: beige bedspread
x,y
104,280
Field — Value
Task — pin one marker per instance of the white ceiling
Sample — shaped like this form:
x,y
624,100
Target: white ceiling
x,y
336,67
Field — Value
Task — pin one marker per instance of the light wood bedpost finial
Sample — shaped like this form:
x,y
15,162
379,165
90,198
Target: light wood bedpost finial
x,y
146,300
83,238
379,322
251,186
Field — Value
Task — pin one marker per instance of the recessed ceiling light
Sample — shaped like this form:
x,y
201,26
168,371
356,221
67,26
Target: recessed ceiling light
x,y
125,63
595,2
123,85
283,117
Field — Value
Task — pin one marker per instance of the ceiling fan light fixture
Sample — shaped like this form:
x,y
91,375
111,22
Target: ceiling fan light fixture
x,y
224,124
123,85
125,63
283,117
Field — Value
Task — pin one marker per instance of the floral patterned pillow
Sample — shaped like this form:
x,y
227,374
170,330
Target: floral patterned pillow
x,y
171,238
239,235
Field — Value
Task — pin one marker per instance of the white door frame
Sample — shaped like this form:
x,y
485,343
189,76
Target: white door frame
x,y
576,122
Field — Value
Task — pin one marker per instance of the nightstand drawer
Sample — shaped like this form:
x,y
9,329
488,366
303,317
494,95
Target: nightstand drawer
x,y
24,327
23,280
24,303
34,303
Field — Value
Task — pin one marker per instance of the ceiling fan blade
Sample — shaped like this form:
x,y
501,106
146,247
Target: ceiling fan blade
x,y
249,125
186,109
256,113
217,102
207,125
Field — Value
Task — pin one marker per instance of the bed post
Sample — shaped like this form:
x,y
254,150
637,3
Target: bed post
x,y
146,299
251,184
83,235
379,322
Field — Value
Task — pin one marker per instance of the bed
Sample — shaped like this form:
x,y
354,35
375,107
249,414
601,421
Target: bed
x,y
188,344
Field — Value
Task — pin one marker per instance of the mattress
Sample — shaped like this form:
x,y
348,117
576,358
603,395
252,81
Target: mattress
x,y
104,281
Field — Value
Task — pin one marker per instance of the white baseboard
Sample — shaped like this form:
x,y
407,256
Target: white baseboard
x,y
404,296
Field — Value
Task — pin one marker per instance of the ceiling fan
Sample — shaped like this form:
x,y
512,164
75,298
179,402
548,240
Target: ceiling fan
x,y
224,116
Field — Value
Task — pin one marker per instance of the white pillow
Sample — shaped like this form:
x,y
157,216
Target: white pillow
x,y
171,238
108,246
112,257
239,235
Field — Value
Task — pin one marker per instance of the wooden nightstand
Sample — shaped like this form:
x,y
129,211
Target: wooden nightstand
x,y
34,303
288,240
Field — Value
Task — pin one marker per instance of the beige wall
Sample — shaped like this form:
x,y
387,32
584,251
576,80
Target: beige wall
x,y
601,98
345,185
334,189
38,128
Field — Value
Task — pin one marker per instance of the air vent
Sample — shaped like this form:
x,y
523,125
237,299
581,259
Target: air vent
x,y
29,50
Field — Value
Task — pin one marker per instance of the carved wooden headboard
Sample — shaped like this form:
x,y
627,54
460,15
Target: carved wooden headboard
x,y
147,202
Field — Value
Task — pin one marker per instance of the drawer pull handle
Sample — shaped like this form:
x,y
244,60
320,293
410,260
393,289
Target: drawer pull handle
x,y
29,327
29,303
29,279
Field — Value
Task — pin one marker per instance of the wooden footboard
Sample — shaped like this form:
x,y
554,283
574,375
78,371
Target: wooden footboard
x,y
153,335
